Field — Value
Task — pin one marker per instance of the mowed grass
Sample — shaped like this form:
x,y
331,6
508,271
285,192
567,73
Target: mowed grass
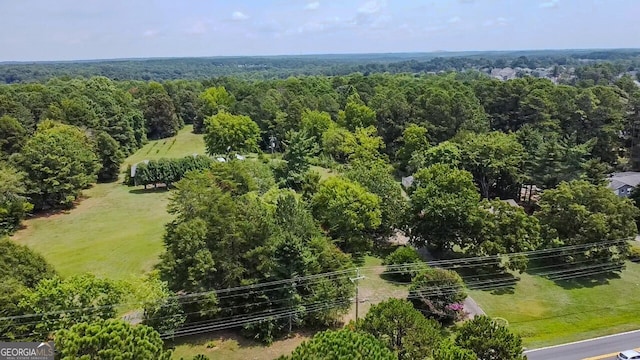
x,y
115,231
547,313
112,233
184,144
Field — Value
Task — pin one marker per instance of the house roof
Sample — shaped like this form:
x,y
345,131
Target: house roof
x,y
629,178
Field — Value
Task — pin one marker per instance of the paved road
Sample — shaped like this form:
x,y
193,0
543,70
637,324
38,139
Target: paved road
x,y
603,348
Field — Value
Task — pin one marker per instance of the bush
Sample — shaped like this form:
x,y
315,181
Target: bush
x,y
401,256
438,293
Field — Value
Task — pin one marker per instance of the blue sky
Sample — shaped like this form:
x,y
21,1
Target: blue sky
x,y
99,29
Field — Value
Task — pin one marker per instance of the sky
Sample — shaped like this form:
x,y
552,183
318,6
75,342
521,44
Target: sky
x,y
37,30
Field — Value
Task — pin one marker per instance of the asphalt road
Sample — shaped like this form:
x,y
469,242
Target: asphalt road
x,y
603,348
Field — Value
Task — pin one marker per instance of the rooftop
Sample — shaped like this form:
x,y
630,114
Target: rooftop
x,y
618,180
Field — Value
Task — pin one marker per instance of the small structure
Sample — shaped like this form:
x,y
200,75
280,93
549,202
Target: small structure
x,y
221,159
239,157
623,183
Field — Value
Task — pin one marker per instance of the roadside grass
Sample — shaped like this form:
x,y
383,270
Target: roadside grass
x,y
546,313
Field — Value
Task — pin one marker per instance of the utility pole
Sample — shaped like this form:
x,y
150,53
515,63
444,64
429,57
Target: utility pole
x,y
355,280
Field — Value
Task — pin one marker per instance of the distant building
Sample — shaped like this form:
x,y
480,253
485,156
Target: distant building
x,y
623,183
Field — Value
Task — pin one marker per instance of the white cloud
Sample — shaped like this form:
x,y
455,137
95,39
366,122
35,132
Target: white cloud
x,y
239,16
312,5
150,33
455,19
198,28
499,21
372,7
550,4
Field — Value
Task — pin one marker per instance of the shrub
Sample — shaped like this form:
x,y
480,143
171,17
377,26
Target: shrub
x,y
406,256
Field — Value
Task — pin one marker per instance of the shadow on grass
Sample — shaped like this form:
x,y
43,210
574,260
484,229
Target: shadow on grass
x,y
149,190
577,277
220,339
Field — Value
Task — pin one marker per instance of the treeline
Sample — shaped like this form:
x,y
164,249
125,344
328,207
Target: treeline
x,y
165,171
285,66
565,131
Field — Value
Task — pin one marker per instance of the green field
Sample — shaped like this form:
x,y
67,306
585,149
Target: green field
x,y
545,313
115,231
184,144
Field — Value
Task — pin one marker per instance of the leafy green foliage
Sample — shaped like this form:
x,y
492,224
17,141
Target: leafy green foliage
x,y
347,211
59,162
159,113
489,340
13,203
223,238
341,344
110,339
109,155
505,229
443,201
579,213
376,177
438,294
226,132
495,159
167,171
401,256
211,101
316,123
402,328
448,350
356,114
300,147
414,140
59,304
446,152
12,136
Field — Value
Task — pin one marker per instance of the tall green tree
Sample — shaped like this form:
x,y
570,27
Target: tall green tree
x,y
14,205
316,123
59,162
356,114
402,328
109,155
448,350
159,113
490,340
376,176
495,159
347,211
12,136
414,138
580,213
300,147
505,229
226,132
110,339
447,153
444,201
212,101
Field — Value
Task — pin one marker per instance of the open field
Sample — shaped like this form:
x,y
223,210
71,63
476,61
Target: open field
x,y
545,313
184,144
115,231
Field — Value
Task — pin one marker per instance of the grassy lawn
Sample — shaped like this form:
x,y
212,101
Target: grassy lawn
x,y
184,144
114,231
546,313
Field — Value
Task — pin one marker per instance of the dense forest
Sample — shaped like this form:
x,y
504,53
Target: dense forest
x,y
328,65
467,140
